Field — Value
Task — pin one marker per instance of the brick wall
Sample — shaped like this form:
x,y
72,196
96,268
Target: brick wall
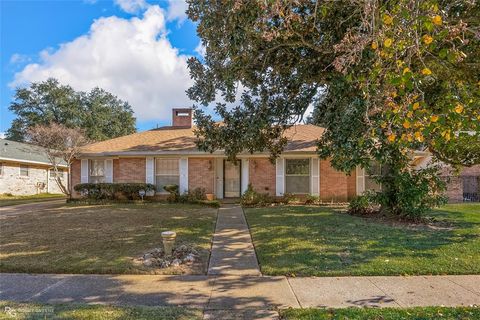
x,y
36,181
335,186
126,170
201,174
262,175
455,181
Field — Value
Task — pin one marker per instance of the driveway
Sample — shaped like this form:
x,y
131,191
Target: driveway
x,y
30,207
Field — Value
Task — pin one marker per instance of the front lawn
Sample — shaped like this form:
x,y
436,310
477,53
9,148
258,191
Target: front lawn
x,y
10,200
21,311
320,241
382,314
100,238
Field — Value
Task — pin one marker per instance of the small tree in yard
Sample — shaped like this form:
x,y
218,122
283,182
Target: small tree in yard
x,y
60,143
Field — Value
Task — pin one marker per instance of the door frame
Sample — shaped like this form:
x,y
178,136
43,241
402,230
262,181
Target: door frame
x,y
239,165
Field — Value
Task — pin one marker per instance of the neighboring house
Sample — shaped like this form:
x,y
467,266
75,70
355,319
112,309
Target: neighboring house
x,y
26,170
169,155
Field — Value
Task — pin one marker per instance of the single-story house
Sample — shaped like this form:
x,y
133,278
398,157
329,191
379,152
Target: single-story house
x,y
168,155
26,170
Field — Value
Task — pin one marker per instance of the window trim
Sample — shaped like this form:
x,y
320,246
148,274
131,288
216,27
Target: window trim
x,y
155,174
25,166
309,175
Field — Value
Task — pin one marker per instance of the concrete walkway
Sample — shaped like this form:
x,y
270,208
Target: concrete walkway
x,y
245,293
232,248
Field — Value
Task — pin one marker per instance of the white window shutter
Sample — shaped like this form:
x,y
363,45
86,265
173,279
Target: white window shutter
x,y
109,171
219,178
315,177
183,166
149,170
245,174
280,176
360,180
84,171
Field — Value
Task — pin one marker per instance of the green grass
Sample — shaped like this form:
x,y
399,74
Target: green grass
x,y
319,241
382,314
11,200
30,311
100,238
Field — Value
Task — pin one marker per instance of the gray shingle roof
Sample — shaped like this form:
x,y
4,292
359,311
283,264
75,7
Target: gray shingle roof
x,y
13,150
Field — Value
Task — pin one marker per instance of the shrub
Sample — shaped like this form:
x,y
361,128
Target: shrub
x,y
253,198
173,191
288,198
102,191
364,204
197,194
310,199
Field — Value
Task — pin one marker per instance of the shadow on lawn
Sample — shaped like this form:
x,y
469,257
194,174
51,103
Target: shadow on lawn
x,y
302,239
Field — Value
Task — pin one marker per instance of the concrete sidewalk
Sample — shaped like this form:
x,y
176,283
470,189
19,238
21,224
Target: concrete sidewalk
x,y
232,248
216,293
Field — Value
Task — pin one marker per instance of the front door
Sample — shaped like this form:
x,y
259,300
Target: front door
x,y
231,178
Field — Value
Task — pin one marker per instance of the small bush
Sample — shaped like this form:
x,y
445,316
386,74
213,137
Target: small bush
x,y
197,194
310,199
362,205
253,198
174,192
111,191
288,198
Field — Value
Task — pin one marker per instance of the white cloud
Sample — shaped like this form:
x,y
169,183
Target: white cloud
x,y
131,58
2,135
132,6
19,58
176,10
200,49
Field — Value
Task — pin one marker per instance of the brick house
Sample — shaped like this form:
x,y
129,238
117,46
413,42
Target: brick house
x,y
168,155
26,170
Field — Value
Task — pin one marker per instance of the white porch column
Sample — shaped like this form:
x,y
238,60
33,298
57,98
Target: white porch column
x,y
219,178
183,168
280,176
109,171
150,170
360,180
245,174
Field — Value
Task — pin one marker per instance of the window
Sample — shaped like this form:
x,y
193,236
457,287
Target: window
x,y
166,173
370,175
23,170
53,175
297,175
96,171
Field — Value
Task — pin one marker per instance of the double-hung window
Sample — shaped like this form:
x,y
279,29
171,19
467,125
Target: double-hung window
x,y
54,175
370,175
167,172
23,170
96,172
297,176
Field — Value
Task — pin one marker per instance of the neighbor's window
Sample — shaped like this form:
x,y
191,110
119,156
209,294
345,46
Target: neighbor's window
x,y
96,171
297,175
53,175
370,175
23,170
166,173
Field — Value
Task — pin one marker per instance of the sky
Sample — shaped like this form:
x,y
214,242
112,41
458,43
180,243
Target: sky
x,y
136,49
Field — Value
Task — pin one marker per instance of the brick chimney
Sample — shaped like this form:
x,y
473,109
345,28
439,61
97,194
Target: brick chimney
x,y
182,117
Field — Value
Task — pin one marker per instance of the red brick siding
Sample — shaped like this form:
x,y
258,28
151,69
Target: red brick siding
x,y
334,185
262,175
75,173
201,174
127,170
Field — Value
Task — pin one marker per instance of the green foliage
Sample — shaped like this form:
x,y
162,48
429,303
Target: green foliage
x,y
411,194
194,196
101,114
311,199
111,191
174,192
363,204
251,198
191,196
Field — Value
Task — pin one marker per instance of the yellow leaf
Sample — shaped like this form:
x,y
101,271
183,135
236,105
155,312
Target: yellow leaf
x,y
392,137
387,19
427,39
383,125
374,45
437,20
406,124
388,42
416,106
458,108
426,72
434,118
409,114
407,69
419,136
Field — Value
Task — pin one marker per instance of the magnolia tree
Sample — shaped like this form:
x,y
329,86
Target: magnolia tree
x,y
385,78
61,144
